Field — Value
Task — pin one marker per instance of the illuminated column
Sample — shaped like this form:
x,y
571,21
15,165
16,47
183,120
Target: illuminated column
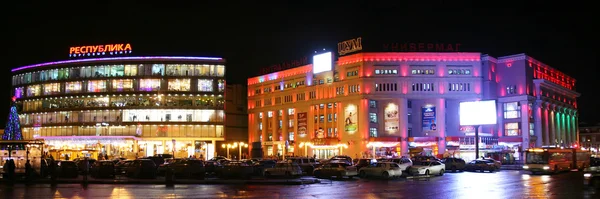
x,y
441,124
563,126
537,117
284,129
275,132
547,140
553,139
576,124
403,109
558,121
525,124
265,135
567,122
500,108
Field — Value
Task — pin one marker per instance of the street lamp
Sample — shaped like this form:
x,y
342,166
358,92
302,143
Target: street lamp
x,y
305,145
227,146
240,145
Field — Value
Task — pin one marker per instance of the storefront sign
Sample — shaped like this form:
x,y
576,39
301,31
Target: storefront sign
x,y
302,124
429,119
350,46
391,118
111,49
466,129
421,47
350,123
285,65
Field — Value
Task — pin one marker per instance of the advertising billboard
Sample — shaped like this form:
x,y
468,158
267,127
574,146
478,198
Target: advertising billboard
x,y
322,62
302,124
429,119
477,113
391,118
350,123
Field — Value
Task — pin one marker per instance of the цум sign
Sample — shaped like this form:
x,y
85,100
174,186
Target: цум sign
x,y
350,46
477,113
111,49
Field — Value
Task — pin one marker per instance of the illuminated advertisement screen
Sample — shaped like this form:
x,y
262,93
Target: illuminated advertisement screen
x,y
322,62
391,118
429,119
477,113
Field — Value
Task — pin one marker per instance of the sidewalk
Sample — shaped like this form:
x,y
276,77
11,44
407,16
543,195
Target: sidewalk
x,y
512,167
161,180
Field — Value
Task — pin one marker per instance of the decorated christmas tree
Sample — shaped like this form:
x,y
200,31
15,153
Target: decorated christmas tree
x,y
12,131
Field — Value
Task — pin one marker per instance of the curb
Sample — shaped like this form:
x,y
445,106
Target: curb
x,y
162,182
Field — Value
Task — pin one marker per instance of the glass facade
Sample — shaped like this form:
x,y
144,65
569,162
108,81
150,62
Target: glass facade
x,y
148,104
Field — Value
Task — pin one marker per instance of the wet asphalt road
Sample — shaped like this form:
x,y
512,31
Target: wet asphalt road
x,y
504,184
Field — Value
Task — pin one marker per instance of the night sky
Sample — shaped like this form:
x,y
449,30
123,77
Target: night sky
x,y
253,36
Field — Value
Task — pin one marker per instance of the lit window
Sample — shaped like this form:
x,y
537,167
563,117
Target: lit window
x,y
373,117
512,129
205,85
512,110
149,84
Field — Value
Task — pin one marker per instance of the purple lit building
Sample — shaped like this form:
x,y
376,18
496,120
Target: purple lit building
x,y
124,106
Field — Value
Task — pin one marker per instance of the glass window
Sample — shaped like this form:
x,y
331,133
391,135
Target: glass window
x,y
72,87
19,92
372,104
291,136
202,70
291,111
512,129
122,85
373,117
149,84
220,70
205,85
130,70
158,69
117,70
34,90
95,86
373,132
52,88
179,84
221,85
512,110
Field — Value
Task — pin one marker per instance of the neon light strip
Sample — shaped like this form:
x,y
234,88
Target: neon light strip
x,y
75,137
113,58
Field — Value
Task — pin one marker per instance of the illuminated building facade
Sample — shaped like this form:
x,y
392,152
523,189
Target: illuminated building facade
x,y
393,104
124,106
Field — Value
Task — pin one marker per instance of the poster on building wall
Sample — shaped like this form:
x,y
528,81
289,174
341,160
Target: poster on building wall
x,y
391,118
428,118
350,123
302,119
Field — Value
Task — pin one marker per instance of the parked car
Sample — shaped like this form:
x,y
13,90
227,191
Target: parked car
x,y
341,158
235,169
424,158
381,169
142,168
454,164
338,169
67,169
103,169
363,162
211,166
496,163
187,168
591,175
162,168
81,164
307,164
480,165
121,167
261,165
404,163
286,169
428,168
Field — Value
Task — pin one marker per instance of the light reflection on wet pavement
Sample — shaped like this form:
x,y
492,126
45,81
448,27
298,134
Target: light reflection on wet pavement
x,y
505,184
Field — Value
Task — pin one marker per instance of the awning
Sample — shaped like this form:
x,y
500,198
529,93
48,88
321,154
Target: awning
x,y
385,139
87,137
423,139
510,139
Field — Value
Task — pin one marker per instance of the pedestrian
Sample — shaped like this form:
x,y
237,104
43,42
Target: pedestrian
x,y
28,170
106,156
11,169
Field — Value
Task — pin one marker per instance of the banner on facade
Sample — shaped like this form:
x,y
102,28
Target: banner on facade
x,y
429,119
302,124
391,118
350,123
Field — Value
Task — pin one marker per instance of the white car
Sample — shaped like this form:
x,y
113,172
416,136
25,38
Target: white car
x,y
428,168
381,169
404,163
287,169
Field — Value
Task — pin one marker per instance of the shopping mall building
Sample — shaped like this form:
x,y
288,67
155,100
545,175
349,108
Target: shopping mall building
x,y
124,106
404,103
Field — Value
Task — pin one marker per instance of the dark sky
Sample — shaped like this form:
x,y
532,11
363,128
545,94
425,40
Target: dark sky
x,y
252,36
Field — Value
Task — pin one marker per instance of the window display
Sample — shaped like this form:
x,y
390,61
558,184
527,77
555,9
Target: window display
x,y
158,69
179,84
34,90
149,84
130,70
172,115
19,92
512,110
95,86
220,70
122,85
221,85
72,87
512,129
51,88
205,85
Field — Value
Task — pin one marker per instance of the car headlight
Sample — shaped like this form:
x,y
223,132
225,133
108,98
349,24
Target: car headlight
x,y
525,167
546,167
587,175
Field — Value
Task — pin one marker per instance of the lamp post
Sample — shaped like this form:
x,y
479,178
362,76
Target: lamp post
x,y
305,145
240,145
227,146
